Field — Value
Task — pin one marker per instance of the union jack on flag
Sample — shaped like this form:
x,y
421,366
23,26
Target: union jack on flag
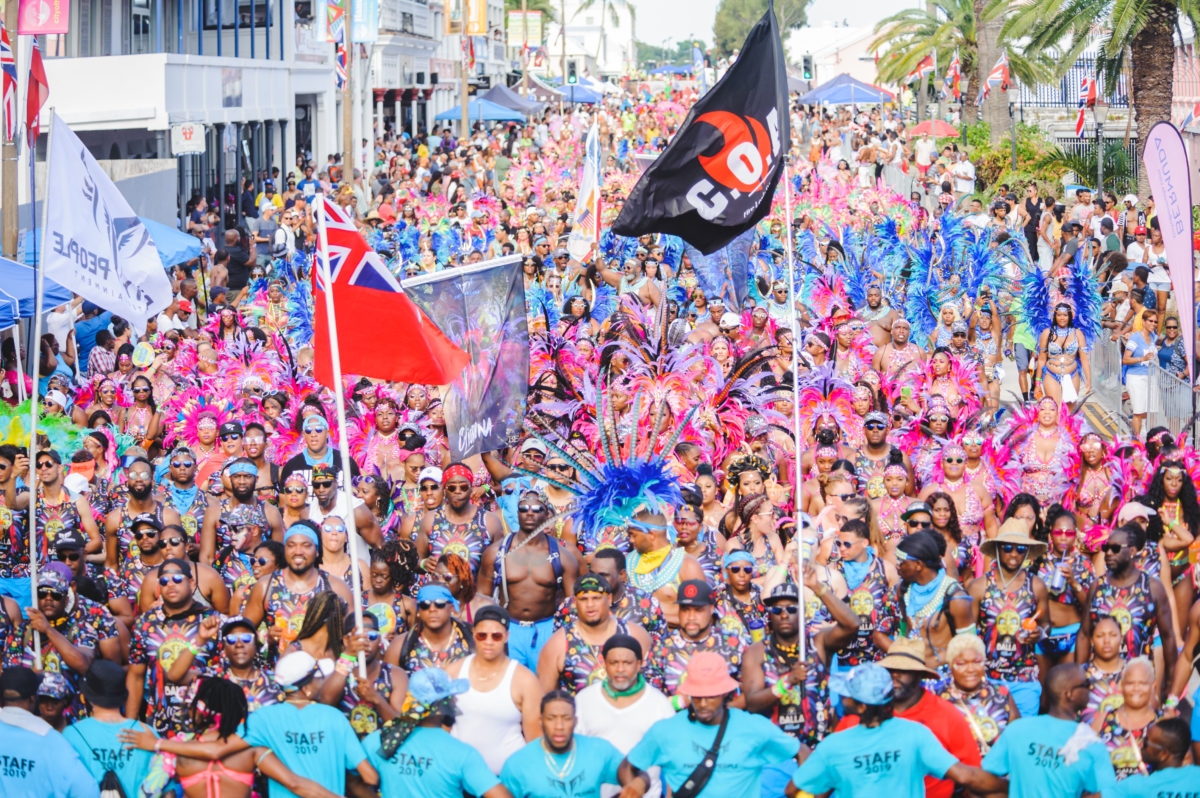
x,y
924,67
340,66
1192,116
997,77
954,76
1088,94
9,65
351,260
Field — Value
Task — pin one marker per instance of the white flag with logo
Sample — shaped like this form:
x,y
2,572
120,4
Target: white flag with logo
x,y
93,243
586,228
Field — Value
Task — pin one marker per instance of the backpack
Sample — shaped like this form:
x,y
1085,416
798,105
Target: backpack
x,y
110,786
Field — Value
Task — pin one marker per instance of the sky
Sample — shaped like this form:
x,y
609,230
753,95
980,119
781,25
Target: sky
x,y
660,20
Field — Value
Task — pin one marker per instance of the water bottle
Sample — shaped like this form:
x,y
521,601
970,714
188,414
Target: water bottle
x,y
755,626
1058,579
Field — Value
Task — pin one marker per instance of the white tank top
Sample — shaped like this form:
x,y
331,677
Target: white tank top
x,y
490,722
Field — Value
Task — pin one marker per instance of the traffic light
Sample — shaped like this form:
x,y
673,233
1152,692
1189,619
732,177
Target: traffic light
x,y
572,78
806,67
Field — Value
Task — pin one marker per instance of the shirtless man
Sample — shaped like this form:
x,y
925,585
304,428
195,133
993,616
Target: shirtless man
x,y
648,535
632,279
932,612
899,354
216,533
529,573
879,315
709,328
139,501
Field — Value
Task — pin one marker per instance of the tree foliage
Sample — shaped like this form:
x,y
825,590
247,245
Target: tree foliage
x,y
735,18
680,53
544,6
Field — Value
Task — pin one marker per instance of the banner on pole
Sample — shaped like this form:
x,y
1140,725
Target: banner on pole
x,y
364,22
726,272
37,17
93,242
1167,171
586,230
481,308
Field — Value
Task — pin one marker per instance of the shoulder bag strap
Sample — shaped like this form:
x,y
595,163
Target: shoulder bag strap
x,y
696,782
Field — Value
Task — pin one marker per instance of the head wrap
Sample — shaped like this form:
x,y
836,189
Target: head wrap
x,y
456,470
741,555
304,529
437,593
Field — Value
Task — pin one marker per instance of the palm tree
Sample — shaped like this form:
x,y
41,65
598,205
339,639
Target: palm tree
x,y
533,5
1118,171
946,27
1140,32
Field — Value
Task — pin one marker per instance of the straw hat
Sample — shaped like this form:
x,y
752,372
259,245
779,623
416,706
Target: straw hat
x,y
909,655
1012,531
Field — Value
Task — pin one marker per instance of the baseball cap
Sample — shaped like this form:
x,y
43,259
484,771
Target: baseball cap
x,y
730,320
1139,231
868,683
230,428
493,612
695,593
782,592
1134,510
914,508
145,519
430,473
20,681
55,576
76,484
431,685
295,670
534,445
1130,198
69,540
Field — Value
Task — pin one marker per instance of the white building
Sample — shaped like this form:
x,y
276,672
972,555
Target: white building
x,y
599,47
257,75
835,48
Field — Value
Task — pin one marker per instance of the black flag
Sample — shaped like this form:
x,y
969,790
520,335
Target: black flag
x,y
717,177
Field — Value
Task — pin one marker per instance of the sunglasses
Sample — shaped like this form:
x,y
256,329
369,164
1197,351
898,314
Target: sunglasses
x,y
296,489
47,464
876,425
182,463
845,544
1009,548
167,579
461,489
790,609
324,483
954,460
140,389
561,468
1114,548
1172,327
530,508
309,430
495,637
441,604
144,533
428,488
263,560
175,541
50,593
921,524
233,436
373,635
841,496
68,556
243,638
740,569
340,528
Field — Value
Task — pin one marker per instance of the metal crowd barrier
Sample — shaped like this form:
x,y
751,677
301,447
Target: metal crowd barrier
x,y
1106,380
1170,401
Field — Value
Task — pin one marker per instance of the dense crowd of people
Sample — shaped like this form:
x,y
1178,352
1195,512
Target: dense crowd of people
x,y
771,528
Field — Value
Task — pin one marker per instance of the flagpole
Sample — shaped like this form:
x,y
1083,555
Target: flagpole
x,y
339,394
798,482
9,149
38,293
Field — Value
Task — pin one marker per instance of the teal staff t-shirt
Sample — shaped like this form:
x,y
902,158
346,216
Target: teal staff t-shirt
x,y
594,762
315,741
892,758
98,747
430,762
1181,782
1029,754
751,742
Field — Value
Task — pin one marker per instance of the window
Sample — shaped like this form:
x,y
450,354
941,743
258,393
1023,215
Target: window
x,y
239,10
406,22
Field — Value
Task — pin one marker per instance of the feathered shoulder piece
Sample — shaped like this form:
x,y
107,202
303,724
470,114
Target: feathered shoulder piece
x,y
622,490
822,394
194,407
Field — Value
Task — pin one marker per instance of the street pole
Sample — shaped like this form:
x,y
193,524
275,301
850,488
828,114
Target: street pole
x,y
1099,157
1012,115
8,158
348,103
465,128
525,48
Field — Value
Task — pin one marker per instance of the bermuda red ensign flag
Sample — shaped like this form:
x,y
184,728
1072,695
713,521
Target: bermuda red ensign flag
x,y
381,333
36,94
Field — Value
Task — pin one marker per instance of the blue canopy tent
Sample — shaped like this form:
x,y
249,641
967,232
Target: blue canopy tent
x,y
506,97
172,245
18,282
580,95
481,110
672,69
845,90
